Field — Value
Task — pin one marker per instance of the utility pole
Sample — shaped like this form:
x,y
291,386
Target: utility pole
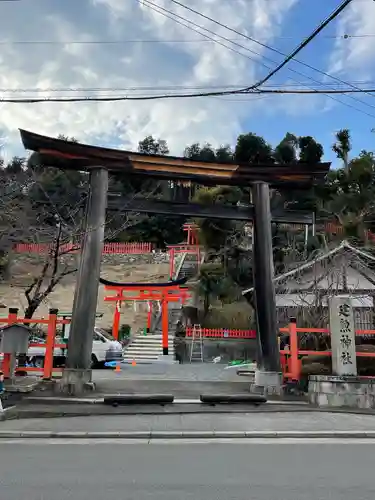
x,y
268,375
77,374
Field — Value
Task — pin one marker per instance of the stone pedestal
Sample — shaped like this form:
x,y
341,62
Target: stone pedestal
x,y
267,383
341,391
75,382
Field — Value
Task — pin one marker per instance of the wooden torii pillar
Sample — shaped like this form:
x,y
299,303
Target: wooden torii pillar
x,y
77,374
268,375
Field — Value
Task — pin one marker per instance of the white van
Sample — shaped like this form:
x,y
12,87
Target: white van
x,y
104,348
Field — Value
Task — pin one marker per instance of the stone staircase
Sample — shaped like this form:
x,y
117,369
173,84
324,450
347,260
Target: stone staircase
x,y
147,348
188,267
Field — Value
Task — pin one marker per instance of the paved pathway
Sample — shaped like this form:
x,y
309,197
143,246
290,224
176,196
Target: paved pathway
x,y
196,372
183,381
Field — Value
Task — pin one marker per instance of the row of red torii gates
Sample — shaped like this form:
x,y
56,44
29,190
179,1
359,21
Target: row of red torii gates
x,y
162,293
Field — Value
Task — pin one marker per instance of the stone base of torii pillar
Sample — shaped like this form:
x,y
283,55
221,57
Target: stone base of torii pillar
x,y
267,383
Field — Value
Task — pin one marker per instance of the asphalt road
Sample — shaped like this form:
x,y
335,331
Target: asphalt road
x,y
98,470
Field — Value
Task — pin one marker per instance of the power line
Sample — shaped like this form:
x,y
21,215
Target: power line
x,y
317,91
110,90
175,18
266,46
112,98
172,40
158,88
207,94
167,13
230,48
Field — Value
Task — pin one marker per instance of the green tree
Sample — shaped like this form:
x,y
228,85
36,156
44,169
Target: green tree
x,y
350,194
62,191
158,230
151,146
63,137
224,154
251,148
16,166
217,234
198,152
129,186
310,151
152,227
286,150
212,284
207,152
342,147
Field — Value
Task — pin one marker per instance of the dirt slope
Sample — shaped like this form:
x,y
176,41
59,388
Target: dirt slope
x,y
12,291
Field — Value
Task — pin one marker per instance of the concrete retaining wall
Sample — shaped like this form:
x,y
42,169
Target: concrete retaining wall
x,y
334,391
228,349
115,259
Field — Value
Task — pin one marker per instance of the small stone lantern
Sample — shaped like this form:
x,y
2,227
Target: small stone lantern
x,y
14,341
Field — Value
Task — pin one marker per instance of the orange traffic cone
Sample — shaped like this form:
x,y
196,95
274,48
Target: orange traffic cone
x,y
134,363
118,368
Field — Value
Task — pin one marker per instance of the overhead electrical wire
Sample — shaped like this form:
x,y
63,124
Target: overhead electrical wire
x,y
113,98
266,46
316,31
316,91
172,40
208,94
277,88
168,14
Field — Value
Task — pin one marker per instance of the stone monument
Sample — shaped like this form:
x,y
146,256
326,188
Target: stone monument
x,y
344,388
341,318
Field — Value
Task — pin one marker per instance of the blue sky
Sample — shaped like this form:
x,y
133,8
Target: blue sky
x,y
172,59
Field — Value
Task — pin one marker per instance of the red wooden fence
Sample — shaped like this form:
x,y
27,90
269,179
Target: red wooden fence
x,y
224,333
50,344
109,248
144,248
291,356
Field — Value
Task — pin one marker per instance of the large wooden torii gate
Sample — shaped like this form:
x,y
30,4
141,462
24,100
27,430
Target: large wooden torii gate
x,y
99,161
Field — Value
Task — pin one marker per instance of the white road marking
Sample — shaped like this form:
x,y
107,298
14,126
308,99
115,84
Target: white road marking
x,y
179,442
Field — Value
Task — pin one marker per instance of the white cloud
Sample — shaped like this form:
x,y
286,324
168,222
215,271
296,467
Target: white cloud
x,y
355,54
119,66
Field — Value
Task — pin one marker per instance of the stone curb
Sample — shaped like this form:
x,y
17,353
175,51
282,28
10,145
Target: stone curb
x,y
16,413
148,435
55,400
52,400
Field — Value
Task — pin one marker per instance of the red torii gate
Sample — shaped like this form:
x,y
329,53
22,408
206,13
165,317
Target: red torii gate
x,y
192,233
164,292
191,246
